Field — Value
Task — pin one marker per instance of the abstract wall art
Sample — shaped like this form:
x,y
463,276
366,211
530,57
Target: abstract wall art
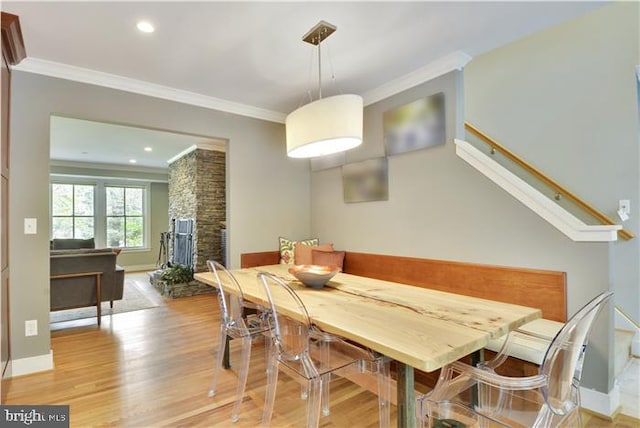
x,y
416,125
366,181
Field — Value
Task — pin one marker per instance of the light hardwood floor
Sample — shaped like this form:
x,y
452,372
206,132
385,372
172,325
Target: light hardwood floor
x,y
152,368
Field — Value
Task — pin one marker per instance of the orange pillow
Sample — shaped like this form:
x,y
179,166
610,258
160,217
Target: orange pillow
x,y
302,252
328,258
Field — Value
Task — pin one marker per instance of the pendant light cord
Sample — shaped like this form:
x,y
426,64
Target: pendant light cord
x,y
308,93
333,74
320,70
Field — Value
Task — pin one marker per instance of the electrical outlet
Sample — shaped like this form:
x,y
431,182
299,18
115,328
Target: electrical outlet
x,y
31,328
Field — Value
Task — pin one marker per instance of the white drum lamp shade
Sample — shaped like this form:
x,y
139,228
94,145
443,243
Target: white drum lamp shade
x,y
326,126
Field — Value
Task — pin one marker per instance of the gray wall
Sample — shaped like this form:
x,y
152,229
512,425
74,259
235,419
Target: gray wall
x,y
268,194
441,208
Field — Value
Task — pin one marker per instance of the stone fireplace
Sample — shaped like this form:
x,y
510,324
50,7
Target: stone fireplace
x,y
197,191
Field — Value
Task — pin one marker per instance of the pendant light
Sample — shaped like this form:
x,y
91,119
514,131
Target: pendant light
x,y
327,125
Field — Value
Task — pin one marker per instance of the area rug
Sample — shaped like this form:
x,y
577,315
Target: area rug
x,y
133,299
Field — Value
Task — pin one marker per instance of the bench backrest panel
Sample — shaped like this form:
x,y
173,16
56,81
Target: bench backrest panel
x,y
267,258
541,289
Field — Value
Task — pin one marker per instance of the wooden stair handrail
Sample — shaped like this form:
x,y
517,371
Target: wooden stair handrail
x,y
585,206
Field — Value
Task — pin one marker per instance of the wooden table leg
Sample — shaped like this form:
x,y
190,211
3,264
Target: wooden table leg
x,y
99,297
406,396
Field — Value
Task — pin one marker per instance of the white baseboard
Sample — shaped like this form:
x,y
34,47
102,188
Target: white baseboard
x,y
599,402
24,366
139,268
635,348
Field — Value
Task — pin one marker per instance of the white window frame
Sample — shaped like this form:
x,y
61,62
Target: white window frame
x,y
100,206
73,215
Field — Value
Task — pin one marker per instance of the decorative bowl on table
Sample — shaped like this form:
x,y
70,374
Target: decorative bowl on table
x,y
314,276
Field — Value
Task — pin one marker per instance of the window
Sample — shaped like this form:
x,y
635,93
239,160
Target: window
x,y
125,220
115,215
72,211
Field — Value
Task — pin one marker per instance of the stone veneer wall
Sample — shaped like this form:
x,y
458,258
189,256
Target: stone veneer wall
x,y
197,190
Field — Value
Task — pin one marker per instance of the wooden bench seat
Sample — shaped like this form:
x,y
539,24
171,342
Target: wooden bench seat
x,y
529,350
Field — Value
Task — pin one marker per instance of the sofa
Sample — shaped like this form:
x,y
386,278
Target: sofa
x,y
72,244
77,292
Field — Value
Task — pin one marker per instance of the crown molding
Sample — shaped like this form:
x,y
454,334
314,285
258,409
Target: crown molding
x,y
107,166
453,61
203,146
182,154
85,75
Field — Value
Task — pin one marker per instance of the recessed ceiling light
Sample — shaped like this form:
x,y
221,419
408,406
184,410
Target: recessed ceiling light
x,y
145,27
148,149
133,161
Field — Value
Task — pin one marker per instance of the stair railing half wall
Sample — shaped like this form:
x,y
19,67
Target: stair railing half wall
x,y
558,188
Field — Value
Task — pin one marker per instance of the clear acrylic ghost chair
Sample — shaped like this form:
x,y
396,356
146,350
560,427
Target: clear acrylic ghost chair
x,y
236,324
548,399
306,352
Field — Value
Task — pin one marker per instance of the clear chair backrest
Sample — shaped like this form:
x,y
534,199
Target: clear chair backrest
x,y
230,294
563,360
291,322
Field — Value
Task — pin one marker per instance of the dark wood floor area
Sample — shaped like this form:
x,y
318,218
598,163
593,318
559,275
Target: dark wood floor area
x,y
152,368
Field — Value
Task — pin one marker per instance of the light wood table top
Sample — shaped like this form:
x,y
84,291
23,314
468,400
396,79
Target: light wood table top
x,y
423,328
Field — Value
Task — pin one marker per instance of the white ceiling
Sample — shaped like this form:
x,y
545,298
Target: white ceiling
x,y
105,143
252,53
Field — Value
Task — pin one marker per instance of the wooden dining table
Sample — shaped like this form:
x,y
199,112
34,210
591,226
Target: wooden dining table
x,y
417,327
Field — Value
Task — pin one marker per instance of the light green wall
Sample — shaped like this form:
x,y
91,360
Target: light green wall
x,y
565,99
262,181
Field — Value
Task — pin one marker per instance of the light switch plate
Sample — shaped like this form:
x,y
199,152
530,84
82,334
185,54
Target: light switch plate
x,y
624,205
30,226
624,209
